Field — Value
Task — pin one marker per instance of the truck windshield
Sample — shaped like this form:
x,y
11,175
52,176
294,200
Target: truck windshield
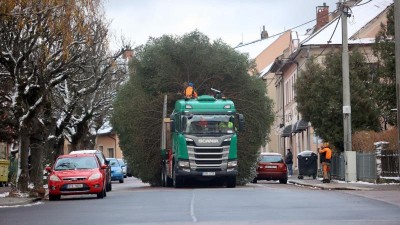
x,y
208,124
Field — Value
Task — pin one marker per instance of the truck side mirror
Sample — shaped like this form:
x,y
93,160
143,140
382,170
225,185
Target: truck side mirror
x,y
241,122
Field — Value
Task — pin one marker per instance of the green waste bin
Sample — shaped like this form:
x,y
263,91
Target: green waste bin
x,y
4,164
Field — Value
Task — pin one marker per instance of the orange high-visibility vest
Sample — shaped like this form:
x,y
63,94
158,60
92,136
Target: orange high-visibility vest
x,y
190,93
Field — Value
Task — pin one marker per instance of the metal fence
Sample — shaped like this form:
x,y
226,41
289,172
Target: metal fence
x,y
366,166
390,163
337,167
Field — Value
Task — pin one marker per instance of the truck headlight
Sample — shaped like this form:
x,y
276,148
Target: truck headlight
x,y
183,164
189,142
232,163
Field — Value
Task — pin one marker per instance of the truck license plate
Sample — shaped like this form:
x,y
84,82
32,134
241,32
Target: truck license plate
x,y
208,173
73,186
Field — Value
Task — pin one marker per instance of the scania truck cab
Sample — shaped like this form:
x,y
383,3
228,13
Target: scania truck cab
x,y
201,141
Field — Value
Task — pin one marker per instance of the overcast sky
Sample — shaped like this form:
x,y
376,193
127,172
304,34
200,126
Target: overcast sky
x,y
233,21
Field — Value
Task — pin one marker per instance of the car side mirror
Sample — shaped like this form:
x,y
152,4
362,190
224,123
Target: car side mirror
x,y
103,167
48,169
107,162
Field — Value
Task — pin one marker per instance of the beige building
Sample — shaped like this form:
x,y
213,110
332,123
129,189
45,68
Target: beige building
x,y
106,141
364,24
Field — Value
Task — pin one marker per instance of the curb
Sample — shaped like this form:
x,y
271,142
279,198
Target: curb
x,y
13,201
330,186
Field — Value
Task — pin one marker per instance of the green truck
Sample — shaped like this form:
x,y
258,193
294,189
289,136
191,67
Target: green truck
x,y
199,141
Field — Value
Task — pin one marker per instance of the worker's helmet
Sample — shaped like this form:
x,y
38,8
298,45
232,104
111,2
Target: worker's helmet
x,y
190,84
325,144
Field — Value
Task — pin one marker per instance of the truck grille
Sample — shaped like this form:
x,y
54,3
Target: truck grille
x,y
208,158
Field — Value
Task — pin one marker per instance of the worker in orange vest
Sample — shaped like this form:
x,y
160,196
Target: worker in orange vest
x,y
190,92
326,155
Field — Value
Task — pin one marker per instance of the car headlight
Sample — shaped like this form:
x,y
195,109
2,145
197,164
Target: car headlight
x,y
232,163
184,164
95,176
54,178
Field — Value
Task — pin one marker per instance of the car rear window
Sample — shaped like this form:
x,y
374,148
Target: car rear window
x,y
271,158
76,163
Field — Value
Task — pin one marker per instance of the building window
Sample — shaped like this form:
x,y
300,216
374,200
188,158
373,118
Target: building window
x,y
110,152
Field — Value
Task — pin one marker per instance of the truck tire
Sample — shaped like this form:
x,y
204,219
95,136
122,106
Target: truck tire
x,y
163,177
231,182
177,181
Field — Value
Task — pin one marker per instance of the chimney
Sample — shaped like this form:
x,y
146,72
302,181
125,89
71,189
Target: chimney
x,y
264,33
322,16
128,54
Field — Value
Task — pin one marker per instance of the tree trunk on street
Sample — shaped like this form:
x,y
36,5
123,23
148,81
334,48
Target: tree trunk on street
x,y
23,178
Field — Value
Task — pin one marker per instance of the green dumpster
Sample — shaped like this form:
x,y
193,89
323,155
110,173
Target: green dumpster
x,y
4,164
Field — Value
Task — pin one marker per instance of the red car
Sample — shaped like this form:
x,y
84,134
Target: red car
x,y
271,167
75,175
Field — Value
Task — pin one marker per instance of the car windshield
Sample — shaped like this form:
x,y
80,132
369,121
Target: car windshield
x,y
208,124
114,162
121,162
271,158
76,163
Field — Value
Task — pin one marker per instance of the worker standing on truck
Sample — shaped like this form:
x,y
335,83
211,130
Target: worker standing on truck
x,y
326,155
190,92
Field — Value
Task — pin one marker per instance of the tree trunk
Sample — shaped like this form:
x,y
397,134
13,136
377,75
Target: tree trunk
x,y
36,173
23,179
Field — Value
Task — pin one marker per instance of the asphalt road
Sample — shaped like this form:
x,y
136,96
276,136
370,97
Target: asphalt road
x,y
264,203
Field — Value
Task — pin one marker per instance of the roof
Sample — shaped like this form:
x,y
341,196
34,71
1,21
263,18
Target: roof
x,y
75,155
257,47
270,153
205,103
106,128
361,15
83,152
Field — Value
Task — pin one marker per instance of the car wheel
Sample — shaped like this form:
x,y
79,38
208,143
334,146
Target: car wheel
x,y
54,197
102,194
283,181
109,187
121,181
254,181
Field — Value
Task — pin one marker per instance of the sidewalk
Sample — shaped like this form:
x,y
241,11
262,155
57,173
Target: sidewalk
x,y
7,201
342,185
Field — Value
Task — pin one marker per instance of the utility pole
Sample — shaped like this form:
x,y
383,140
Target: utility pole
x,y
349,155
397,55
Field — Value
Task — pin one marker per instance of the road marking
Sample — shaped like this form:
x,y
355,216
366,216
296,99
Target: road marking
x,y
192,208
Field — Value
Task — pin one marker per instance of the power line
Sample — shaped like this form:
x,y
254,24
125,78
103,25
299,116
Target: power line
x,y
252,42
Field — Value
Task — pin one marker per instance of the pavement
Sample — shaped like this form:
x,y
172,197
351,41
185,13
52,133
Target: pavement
x,y
385,192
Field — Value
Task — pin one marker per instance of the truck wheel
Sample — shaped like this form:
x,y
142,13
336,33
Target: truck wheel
x,y
231,182
177,181
163,177
169,181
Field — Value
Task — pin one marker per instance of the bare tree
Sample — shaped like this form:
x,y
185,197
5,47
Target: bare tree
x,y
42,45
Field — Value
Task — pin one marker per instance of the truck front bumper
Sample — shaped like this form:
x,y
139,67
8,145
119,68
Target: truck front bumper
x,y
205,174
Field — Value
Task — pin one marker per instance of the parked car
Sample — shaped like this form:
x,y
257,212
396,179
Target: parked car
x,y
123,166
116,170
75,175
103,161
271,166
